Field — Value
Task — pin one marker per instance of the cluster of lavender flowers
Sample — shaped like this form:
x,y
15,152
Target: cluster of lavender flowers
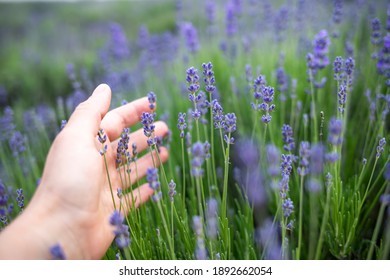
x,y
334,138
199,153
343,74
147,120
200,250
121,231
319,58
265,95
6,206
154,182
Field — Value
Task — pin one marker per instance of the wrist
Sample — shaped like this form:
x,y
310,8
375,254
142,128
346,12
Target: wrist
x,y
36,230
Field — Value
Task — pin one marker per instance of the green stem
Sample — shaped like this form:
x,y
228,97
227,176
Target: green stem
x,y
324,223
313,107
109,180
377,228
300,216
184,172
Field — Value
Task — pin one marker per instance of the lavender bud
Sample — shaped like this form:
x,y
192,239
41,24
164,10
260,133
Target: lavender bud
x,y
57,253
380,147
172,191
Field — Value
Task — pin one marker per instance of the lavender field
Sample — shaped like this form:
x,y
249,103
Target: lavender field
x,y
278,114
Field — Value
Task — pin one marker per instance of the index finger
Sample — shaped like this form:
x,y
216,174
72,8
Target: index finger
x,y
124,116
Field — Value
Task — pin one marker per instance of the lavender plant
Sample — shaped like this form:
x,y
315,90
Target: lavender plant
x,y
295,167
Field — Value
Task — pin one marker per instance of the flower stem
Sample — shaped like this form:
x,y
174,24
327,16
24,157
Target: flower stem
x,y
298,256
109,181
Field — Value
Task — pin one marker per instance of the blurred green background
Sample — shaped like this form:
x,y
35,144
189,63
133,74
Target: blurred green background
x,y
38,40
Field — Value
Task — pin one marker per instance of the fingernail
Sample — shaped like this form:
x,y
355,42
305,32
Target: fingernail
x,y
102,88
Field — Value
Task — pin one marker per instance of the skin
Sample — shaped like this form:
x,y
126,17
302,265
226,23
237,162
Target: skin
x,y
73,203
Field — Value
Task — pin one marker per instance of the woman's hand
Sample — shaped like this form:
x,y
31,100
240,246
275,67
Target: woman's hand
x,y
73,202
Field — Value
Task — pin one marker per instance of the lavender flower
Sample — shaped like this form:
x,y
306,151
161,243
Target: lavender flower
x,y
172,191
248,73
118,45
286,168
63,123
3,195
7,125
200,250
288,139
143,37
181,123
209,78
123,146
321,48
266,106
17,143
335,130
383,64
342,98
304,153
191,37
135,151
337,11
338,68
319,59
267,237
231,19
349,68
57,253
217,114
152,178
188,140
376,36
229,126
317,159
212,218
258,87
380,147
20,198
102,137
332,157
119,193
152,100
198,157
210,10
147,120
273,157
288,207
282,80
121,231
386,174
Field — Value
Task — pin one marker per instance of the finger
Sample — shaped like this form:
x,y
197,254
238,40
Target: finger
x,y
137,197
139,138
88,114
124,116
139,171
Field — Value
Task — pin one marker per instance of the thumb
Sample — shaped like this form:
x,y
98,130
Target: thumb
x,y
88,114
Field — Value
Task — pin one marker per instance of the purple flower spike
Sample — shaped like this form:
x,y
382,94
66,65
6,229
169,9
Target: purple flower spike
x,y
335,130
152,100
288,207
380,147
181,123
288,139
191,37
198,157
152,178
304,153
172,191
121,231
